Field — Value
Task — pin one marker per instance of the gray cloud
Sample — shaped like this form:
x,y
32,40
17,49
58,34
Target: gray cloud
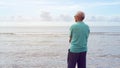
x,y
115,19
46,16
104,18
64,17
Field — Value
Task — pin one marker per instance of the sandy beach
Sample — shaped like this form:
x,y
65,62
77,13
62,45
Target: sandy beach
x,y
50,50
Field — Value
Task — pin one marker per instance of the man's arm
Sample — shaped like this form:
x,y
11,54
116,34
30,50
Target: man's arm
x,y
70,39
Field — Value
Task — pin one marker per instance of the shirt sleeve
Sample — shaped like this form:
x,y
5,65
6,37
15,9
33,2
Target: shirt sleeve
x,y
88,31
70,31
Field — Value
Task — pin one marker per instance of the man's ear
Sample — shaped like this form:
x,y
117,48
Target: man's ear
x,y
75,20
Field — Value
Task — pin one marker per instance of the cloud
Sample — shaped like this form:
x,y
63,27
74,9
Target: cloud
x,y
103,18
45,16
35,6
54,4
65,18
115,19
55,10
48,17
107,3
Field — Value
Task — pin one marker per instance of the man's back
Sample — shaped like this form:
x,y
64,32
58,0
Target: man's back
x,y
79,33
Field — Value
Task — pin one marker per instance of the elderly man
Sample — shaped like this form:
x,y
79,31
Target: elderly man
x,y
79,33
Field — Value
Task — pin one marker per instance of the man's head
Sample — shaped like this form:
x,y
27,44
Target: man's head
x,y
79,16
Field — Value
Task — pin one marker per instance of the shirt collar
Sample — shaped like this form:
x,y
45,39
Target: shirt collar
x,y
80,22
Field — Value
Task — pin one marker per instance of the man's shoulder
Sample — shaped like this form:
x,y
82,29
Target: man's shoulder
x,y
76,25
86,25
73,25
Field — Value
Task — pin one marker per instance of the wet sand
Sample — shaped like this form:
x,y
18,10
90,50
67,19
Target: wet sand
x,y
50,50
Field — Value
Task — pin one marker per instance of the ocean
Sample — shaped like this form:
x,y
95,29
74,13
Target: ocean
x,y
54,29
47,47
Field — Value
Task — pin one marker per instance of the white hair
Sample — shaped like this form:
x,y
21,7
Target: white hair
x,y
81,13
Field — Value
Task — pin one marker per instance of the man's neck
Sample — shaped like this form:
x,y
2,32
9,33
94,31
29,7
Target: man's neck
x,y
79,21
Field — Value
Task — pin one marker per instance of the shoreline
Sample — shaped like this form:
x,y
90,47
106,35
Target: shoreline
x,y
38,33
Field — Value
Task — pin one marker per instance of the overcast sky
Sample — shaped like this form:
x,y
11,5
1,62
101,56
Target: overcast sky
x,y
58,12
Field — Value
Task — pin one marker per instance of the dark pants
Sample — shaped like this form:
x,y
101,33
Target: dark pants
x,y
76,58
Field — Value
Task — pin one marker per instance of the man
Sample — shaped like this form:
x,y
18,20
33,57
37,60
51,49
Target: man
x,y
79,33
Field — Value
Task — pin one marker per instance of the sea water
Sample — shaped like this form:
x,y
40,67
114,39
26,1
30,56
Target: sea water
x,y
53,29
